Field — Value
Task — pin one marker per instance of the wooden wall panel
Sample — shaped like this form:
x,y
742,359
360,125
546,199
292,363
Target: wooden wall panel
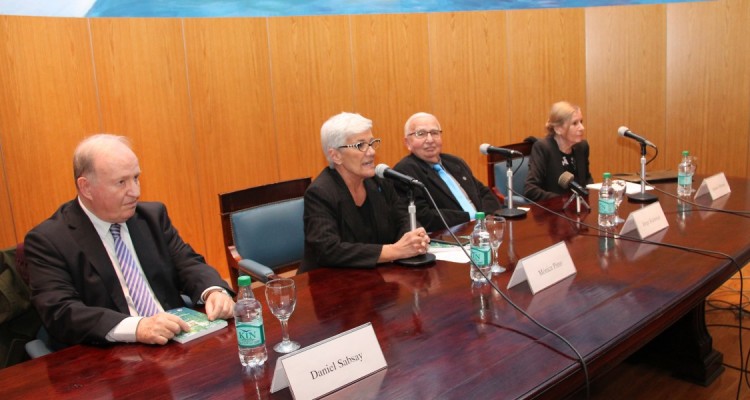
x,y
311,75
626,85
469,81
391,75
48,104
708,84
7,227
141,75
231,98
547,63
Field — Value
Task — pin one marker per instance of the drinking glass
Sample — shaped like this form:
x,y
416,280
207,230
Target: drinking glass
x,y
496,229
281,295
618,187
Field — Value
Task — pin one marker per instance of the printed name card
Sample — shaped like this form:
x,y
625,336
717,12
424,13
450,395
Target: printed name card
x,y
647,221
326,366
544,268
716,185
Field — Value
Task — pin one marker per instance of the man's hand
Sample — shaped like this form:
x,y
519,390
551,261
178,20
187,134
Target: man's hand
x,y
219,305
159,328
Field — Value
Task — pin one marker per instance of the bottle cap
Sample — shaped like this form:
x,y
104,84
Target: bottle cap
x,y
607,175
685,153
479,215
244,280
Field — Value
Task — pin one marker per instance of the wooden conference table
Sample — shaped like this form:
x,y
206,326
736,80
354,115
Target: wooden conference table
x,y
443,338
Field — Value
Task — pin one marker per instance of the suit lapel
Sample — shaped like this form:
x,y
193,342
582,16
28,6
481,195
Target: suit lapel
x,y
146,251
82,230
372,186
466,182
350,217
435,180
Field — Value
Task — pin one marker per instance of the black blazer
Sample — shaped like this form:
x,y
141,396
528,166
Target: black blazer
x,y
545,167
479,194
74,285
333,226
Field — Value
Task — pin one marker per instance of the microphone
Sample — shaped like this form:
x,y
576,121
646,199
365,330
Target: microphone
x,y
625,132
384,171
567,181
485,148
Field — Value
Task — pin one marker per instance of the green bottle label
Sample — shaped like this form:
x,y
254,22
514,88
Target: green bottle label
x,y
480,256
250,334
684,179
607,206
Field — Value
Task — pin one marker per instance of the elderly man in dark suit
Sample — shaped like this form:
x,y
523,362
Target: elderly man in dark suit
x,y
457,193
105,267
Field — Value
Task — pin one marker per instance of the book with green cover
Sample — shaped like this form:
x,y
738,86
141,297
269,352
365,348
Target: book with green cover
x,y
199,324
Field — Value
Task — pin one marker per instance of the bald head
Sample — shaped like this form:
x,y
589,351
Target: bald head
x,y
107,176
425,146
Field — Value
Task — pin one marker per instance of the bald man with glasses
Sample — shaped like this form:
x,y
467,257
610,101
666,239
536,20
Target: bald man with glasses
x,y
457,193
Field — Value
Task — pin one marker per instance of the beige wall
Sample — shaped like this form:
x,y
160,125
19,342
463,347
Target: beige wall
x,y
214,105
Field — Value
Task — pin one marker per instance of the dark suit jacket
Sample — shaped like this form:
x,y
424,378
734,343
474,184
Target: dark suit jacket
x,y
74,285
479,194
333,226
545,167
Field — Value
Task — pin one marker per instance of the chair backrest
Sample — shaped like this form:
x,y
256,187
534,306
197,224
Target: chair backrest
x,y
497,169
264,224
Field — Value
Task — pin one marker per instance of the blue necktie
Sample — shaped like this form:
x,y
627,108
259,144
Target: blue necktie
x,y
457,192
139,292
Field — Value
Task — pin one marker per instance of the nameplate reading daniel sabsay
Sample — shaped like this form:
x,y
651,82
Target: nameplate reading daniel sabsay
x,y
329,365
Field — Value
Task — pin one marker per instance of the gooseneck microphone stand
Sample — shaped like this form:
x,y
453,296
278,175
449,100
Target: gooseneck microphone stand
x,y
642,197
510,212
421,259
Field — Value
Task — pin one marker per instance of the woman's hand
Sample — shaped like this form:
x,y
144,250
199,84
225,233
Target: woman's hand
x,y
411,244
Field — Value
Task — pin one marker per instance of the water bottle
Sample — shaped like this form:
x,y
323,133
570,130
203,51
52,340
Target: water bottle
x,y
248,319
685,173
480,249
607,202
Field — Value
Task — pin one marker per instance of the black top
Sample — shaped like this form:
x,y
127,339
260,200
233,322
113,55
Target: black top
x,y
547,163
340,234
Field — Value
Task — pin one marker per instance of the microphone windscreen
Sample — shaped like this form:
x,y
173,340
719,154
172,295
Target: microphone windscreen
x,y
622,130
380,170
564,179
483,148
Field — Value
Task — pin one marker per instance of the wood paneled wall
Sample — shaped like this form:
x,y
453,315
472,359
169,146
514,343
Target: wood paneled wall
x,y
214,105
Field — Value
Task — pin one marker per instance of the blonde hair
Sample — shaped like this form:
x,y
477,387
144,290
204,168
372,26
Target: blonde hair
x,y
559,115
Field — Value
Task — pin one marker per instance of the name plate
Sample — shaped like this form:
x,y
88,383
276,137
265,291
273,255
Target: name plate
x,y
716,185
544,268
646,221
327,366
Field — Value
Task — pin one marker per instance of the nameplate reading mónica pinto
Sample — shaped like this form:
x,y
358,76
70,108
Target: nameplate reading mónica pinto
x,y
329,365
543,268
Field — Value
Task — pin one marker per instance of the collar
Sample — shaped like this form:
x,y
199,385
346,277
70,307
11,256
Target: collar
x,y
101,226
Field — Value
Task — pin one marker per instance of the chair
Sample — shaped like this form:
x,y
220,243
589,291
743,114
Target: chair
x,y
497,171
263,229
19,321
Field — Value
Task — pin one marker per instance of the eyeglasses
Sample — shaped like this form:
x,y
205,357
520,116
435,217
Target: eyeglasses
x,y
422,134
363,146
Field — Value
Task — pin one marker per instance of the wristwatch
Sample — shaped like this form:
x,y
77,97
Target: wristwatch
x,y
222,290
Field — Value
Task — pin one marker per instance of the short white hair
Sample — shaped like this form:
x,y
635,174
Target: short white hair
x,y
338,128
86,151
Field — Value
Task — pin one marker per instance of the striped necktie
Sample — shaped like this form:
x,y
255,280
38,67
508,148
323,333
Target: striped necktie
x,y
457,192
139,291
